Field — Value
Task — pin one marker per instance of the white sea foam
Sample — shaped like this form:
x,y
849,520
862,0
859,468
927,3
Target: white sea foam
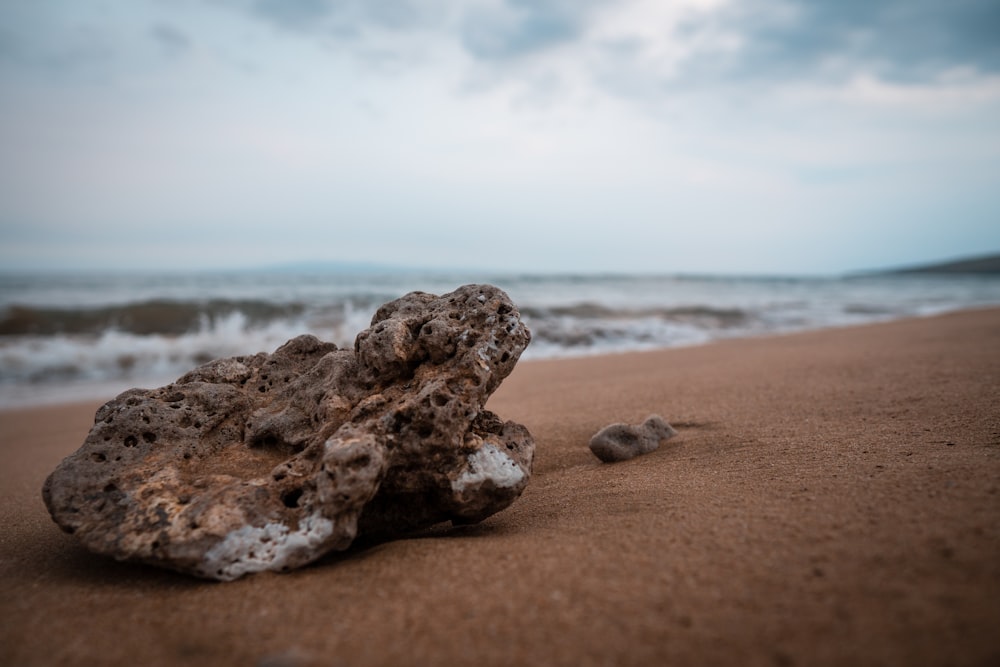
x,y
56,348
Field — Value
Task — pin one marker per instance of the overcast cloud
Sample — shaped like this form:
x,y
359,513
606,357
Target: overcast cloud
x,y
695,135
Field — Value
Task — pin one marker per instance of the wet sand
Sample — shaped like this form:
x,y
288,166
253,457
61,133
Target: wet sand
x,y
832,498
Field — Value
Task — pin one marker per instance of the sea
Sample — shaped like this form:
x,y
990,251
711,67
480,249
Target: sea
x,y
68,336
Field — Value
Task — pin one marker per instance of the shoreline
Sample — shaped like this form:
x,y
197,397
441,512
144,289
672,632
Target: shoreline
x,y
103,388
833,497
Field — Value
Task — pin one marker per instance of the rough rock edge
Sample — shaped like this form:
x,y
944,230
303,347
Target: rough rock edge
x,y
178,476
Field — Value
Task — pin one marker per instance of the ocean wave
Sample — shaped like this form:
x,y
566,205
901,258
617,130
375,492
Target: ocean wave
x,y
163,338
61,337
595,311
158,316
116,354
146,343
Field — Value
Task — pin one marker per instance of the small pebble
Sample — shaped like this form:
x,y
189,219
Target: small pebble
x,y
620,442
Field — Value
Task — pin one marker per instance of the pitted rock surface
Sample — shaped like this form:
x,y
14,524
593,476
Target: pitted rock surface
x,y
267,462
620,442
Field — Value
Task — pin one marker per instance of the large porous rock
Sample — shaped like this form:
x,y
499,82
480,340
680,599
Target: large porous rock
x,y
267,462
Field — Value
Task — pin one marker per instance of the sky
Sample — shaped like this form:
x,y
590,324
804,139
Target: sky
x,y
721,136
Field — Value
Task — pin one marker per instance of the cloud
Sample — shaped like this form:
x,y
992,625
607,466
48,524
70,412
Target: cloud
x,y
34,39
630,48
9,46
487,30
518,27
639,46
395,117
900,40
726,52
171,40
293,14
343,18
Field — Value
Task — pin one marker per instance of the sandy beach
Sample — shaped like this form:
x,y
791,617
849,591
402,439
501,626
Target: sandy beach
x,y
832,498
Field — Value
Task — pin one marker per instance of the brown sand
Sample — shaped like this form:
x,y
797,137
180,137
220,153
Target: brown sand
x,y
832,498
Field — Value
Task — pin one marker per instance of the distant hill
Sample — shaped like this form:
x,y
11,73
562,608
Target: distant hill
x,y
987,264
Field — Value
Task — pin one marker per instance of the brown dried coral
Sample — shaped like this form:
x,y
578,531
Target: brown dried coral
x,y
267,462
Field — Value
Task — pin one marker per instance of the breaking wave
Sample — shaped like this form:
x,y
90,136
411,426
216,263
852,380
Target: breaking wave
x,y
72,337
159,316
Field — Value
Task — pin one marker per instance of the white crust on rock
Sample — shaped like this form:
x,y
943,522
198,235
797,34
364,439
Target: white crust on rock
x,y
273,546
489,463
